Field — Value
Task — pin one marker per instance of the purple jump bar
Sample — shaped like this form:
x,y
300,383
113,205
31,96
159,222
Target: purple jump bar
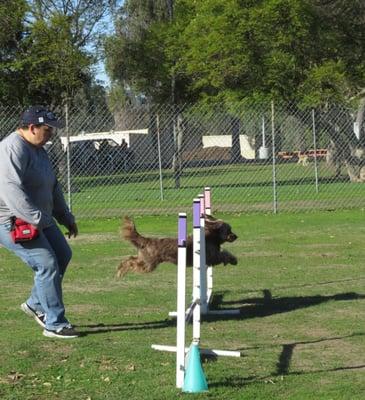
x,y
196,213
182,230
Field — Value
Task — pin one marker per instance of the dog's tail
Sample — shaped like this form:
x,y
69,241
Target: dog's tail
x,y
129,232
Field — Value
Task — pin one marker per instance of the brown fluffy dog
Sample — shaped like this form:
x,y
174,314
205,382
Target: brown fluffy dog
x,y
154,251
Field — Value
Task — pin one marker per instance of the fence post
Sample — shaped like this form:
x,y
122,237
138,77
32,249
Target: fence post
x,y
68,155
273,157
159,155
177,134
315,149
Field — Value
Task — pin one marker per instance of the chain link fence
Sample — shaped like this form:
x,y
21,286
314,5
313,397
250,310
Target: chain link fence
x,y
255,157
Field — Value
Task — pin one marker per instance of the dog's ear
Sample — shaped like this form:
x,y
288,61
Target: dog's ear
x,y
213,223
210,218
213,226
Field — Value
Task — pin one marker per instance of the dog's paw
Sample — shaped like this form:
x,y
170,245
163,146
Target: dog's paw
x,y
233,260
119,274
228,258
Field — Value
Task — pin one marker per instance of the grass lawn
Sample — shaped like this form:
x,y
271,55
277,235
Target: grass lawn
x,y
235,188
299,284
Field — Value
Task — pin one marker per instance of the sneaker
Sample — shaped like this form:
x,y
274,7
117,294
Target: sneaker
x,y
67,332
39,317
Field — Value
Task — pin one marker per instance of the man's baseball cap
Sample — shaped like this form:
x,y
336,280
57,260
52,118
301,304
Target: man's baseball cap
x,y
39,115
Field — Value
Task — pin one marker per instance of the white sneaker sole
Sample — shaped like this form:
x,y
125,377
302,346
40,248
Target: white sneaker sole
x,y
24,307
52,334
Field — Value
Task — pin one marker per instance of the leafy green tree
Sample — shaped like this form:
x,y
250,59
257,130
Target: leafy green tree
x,y
311,52
137,63
140,56
232,50
222,51
50,48
338,76
55,66
12,13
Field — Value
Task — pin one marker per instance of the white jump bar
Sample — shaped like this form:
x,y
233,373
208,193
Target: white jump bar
x,y
209,352
211,312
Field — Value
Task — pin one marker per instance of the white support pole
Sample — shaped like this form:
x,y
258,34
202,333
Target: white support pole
x,y
203,265
181,284
196,270
208,211
181,313
209,269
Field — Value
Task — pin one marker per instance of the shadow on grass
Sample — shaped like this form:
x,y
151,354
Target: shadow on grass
x,y
267,305
283,364
93,329
288,349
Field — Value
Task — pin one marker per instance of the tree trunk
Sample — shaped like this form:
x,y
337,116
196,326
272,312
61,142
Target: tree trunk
x,y
236,148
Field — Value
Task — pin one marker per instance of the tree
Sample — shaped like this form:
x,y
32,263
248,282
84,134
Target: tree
x,y
340,77
53,48
222,51
55,66
311,52
86,17
141,55
136,61
12,14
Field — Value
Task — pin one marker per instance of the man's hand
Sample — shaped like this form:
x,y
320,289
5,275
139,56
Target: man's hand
x,y
72,230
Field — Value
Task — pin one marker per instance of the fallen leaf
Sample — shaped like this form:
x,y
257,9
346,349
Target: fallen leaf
x,y
15,376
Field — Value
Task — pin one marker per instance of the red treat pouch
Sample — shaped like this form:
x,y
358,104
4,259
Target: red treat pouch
x,y
22,231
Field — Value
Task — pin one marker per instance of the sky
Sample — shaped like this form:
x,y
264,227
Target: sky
x,y
109,28
101,74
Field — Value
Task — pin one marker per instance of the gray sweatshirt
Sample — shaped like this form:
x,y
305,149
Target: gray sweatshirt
x,y
28,186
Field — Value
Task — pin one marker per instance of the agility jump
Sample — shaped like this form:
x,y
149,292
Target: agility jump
x,y
199,265
194,310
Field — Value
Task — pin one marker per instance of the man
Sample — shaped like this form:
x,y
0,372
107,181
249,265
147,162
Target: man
x,y
29,190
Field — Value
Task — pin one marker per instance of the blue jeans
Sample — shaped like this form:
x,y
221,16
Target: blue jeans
x,y
48,256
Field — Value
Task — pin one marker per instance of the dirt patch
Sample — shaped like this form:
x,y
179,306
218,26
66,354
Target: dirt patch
x,y
318,245
207,154
92,288
261,254
62,352
331,351
96,237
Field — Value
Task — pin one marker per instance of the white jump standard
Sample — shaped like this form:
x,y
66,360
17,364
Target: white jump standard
x,y
206,272
195,307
